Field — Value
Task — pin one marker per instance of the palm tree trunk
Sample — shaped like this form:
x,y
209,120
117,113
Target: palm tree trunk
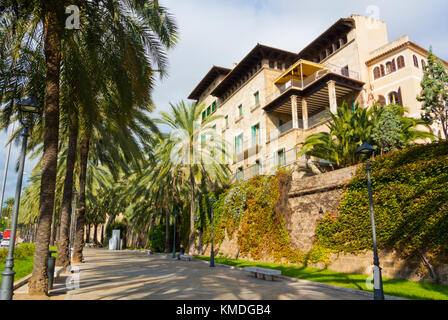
x,y
80,221
38,284
191,247
95,234
167,225
63,259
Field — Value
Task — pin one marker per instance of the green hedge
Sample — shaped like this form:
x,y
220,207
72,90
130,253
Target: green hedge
x,y
410,194
23,250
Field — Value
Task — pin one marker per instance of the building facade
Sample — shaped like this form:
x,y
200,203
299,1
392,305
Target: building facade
x,y
273,99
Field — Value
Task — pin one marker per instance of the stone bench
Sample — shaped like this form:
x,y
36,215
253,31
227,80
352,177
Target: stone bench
x,y
263,273
185,257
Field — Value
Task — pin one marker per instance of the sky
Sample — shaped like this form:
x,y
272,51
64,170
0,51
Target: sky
x,y
220,32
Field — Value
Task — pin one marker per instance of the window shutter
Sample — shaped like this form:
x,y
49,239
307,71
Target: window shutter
x,y
382,71
400,99
382,100
393,66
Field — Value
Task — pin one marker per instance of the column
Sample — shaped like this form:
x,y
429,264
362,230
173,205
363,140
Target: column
x,y
305,113
332,96
295,115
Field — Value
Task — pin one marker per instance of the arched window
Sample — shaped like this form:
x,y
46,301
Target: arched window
x,y
376,73
382,71
394,68
393,97
382,100
400,62
423,65
388,67
415,61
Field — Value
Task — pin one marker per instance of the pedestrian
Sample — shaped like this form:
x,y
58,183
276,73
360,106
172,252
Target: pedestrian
x,y
182,251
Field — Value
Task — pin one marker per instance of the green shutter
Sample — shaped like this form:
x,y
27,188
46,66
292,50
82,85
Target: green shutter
x,y
208,111
213,106
203,115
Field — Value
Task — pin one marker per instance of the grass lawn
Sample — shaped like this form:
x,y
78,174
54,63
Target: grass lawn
x,y
393,287
24,266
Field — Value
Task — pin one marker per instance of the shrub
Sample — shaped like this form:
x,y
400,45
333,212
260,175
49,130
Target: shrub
x,y
410,196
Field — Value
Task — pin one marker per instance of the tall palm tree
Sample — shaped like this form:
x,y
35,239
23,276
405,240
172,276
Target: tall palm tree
x,y
189,156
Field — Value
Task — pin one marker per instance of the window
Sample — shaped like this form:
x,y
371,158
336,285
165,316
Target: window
x,y
226,119
214,106
257,98
393,97
415,61
345,71
281,158
240,111
203,115
343,40
336,46
388,67
239,144
279,66
203,141
400,62
208,111
423,65
376,73
393,66
271,64
256,134
256,168
382,71
382,100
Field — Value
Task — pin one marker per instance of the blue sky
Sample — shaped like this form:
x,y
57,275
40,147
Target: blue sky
x,y
220,32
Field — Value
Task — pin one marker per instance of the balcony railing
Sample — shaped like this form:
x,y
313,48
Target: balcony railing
x,y
247,150
295,83
277,132
318,118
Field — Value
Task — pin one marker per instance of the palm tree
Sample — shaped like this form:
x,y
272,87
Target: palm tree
x,y
187,155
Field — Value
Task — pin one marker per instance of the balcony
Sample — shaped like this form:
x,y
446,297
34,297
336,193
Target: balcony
x,y
248,150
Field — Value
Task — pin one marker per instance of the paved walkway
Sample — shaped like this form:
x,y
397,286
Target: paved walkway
x,y
132,275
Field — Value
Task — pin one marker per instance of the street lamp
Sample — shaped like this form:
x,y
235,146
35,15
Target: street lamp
x,y
378,294
174,233
212,254
27,108
75,193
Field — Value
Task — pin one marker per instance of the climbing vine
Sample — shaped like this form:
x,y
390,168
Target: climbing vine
x,y
410,195
250,212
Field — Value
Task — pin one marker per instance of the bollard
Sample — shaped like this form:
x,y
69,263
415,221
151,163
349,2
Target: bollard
x,y
50,268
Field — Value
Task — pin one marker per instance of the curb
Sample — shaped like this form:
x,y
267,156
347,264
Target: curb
x,y
323,285
21,282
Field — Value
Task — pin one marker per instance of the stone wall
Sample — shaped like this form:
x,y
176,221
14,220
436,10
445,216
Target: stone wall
x,y
309,199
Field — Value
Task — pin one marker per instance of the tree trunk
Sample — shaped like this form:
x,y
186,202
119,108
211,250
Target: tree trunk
x,y
102,234
38,284
53,227
191,247
95,234
88,228
429,266
81,219
63,258
167,226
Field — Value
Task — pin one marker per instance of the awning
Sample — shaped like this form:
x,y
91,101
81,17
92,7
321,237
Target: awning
x,y
300,68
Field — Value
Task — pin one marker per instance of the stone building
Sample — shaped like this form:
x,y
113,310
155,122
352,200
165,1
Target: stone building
x,y
273,99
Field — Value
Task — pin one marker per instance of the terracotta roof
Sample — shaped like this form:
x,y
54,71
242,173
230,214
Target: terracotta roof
x,y
213,73
249,61
343,25
400,46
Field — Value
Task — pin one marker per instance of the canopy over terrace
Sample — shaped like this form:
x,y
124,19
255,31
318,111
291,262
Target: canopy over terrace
x,y
301,70
307,89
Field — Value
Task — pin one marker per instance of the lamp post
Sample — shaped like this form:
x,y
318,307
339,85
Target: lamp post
x,y
27,107
212,253
378,293
70,242
174,233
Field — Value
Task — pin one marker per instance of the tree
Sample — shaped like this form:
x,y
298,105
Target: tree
x,y
434,94
349,129
189,156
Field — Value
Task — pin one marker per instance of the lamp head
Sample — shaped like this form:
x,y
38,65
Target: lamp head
x,y
28,105
365,148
